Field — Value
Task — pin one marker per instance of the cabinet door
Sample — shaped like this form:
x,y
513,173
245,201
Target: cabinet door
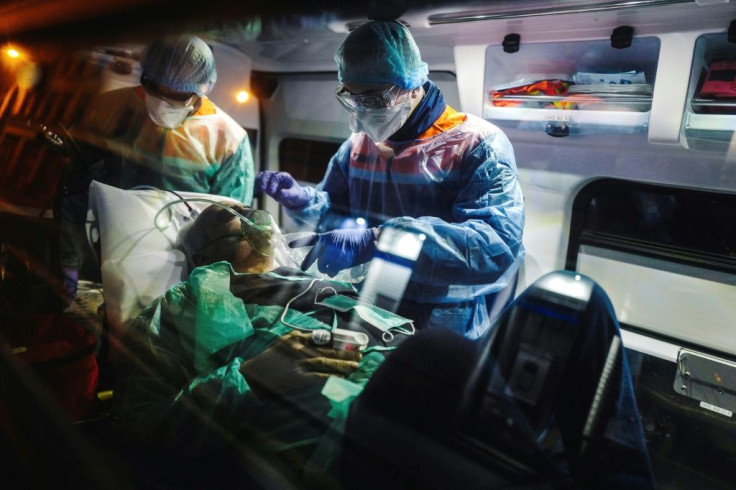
x,y
570,88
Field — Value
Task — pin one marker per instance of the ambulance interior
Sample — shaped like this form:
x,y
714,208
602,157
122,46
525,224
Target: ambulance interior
x,y
621,115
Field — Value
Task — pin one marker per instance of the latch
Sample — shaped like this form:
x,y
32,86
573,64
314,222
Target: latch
x,y
708,379
511,43
558,127
621,37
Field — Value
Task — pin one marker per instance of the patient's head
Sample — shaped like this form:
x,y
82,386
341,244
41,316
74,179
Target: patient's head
x,y
239,234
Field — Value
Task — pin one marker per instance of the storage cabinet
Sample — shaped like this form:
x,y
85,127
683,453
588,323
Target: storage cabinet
x,y
709,118
569,88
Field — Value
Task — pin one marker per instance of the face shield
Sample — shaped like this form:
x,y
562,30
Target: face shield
x,y
176,71
257,227
220,223
377,114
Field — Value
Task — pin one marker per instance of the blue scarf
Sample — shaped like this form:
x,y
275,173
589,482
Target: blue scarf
x,y
425,114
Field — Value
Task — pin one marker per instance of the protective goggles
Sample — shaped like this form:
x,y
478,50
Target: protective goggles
x,y
156,90
384,99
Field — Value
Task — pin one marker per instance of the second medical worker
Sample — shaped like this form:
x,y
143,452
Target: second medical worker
x,y
416,164
163,133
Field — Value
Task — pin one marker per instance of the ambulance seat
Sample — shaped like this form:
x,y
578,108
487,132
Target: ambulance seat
x,y
443,411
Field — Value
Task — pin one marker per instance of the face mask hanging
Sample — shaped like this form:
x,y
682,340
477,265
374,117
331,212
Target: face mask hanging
x,y
385,321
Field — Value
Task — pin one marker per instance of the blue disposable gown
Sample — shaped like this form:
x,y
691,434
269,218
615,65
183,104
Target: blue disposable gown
x,y
458,187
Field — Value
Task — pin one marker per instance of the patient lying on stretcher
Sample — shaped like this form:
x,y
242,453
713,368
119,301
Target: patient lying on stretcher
x,y
229,359
224,373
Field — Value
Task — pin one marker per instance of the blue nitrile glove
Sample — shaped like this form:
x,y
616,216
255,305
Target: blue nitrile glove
x,y
338,250
282,187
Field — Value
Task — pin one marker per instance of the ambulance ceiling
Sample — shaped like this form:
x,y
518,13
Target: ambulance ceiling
x,y
291,35
307,42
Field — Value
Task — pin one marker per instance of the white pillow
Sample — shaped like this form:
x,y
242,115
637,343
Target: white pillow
x,y
138,261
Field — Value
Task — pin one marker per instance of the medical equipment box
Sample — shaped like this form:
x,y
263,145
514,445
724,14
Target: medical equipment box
x,y
720,81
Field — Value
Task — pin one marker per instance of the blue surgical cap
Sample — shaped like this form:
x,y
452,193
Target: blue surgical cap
x,y
381,52
183,64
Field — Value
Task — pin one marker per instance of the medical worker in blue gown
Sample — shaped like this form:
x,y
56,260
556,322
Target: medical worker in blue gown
x,y
417,164
163,133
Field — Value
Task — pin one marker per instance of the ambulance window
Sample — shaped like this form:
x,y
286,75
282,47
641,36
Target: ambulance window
x,y
306,159
684,225
666,257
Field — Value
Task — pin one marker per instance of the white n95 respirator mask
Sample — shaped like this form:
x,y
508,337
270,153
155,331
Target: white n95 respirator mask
x,y
380,124
166,114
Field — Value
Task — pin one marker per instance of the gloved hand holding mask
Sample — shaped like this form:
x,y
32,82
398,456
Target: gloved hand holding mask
x,y
294,362
282,187
337,250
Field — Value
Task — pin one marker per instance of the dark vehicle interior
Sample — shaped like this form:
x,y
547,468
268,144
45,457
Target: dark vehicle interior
x,y
56,402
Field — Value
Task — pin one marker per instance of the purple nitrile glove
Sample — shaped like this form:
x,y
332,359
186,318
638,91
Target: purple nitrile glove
x,y
70,279
337,250
283,188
